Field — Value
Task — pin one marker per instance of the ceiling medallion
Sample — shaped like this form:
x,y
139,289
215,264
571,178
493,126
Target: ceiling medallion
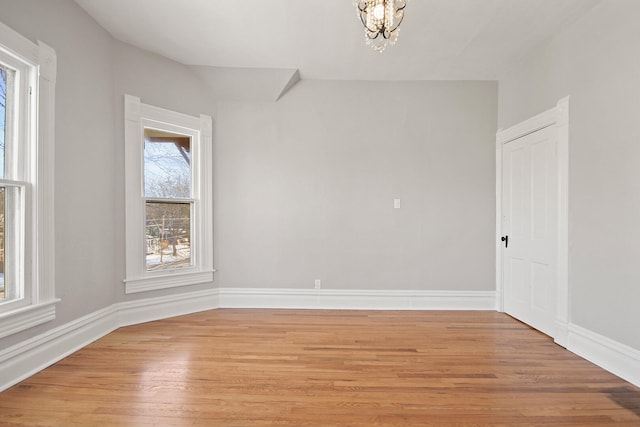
x,y
381,20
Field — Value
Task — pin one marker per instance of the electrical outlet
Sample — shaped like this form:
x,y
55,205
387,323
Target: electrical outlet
x,y
318,283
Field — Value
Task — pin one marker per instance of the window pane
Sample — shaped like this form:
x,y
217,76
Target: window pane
x,y
5,80
3,291
167,164
10,252
168,235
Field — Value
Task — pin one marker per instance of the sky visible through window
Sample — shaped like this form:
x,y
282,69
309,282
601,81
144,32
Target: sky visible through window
x,y
167,169
3,116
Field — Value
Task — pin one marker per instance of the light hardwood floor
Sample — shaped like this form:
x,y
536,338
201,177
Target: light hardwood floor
x,y
323,368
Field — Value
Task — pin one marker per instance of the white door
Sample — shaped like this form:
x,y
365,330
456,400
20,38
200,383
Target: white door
x,y
530,228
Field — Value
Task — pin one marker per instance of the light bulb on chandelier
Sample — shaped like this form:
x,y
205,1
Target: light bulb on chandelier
x,y
378,11
381,20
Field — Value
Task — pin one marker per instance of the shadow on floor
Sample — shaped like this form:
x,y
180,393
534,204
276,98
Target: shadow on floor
x,y
626,397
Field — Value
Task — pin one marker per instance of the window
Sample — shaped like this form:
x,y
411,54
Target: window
x,y
27,83
168,198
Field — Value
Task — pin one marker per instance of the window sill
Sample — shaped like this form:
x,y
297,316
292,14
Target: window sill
x,y
14,321
172,280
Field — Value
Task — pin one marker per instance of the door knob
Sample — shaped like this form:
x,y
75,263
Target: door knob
x,y
505,239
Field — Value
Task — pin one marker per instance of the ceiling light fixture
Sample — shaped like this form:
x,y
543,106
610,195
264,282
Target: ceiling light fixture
x,y
381,20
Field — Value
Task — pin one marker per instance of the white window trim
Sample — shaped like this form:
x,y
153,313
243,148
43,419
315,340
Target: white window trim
x,y
41,61
137,279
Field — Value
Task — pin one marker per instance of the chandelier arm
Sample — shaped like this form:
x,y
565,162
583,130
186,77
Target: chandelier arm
x,y
399,22
364,23
372,30
362,20
362,13
375,36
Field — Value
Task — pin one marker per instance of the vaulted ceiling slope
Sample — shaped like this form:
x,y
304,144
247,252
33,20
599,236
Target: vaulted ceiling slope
x,y
439,39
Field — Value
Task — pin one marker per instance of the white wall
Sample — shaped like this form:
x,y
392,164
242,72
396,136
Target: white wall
x,y
94,71
596,62
84,154
304,187
163,83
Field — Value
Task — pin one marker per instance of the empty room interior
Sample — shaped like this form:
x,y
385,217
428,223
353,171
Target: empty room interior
x,y
338,212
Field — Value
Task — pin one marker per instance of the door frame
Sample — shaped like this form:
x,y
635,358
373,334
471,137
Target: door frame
x,y
559,115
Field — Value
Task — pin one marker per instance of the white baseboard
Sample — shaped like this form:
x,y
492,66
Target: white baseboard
x,y
356,299
150,309
561,336
31,356
617,358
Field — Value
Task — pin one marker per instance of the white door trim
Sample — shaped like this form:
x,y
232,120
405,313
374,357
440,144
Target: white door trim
x,y
559,115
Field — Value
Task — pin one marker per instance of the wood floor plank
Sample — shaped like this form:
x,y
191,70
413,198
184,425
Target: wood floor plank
x,y
323,368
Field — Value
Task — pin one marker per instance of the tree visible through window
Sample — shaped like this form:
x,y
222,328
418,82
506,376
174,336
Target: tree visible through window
x,y
3,127
12,186
168,176
168,199
3,116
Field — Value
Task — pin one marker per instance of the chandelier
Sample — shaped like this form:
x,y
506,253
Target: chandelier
x,y
381,20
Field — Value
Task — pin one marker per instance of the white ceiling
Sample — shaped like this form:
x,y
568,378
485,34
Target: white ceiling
x,y
324,39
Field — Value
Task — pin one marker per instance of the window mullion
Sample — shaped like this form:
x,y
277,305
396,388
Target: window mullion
x,y
12,183
168,200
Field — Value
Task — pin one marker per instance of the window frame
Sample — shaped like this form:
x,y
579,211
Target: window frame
x,y
139,116
32,170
